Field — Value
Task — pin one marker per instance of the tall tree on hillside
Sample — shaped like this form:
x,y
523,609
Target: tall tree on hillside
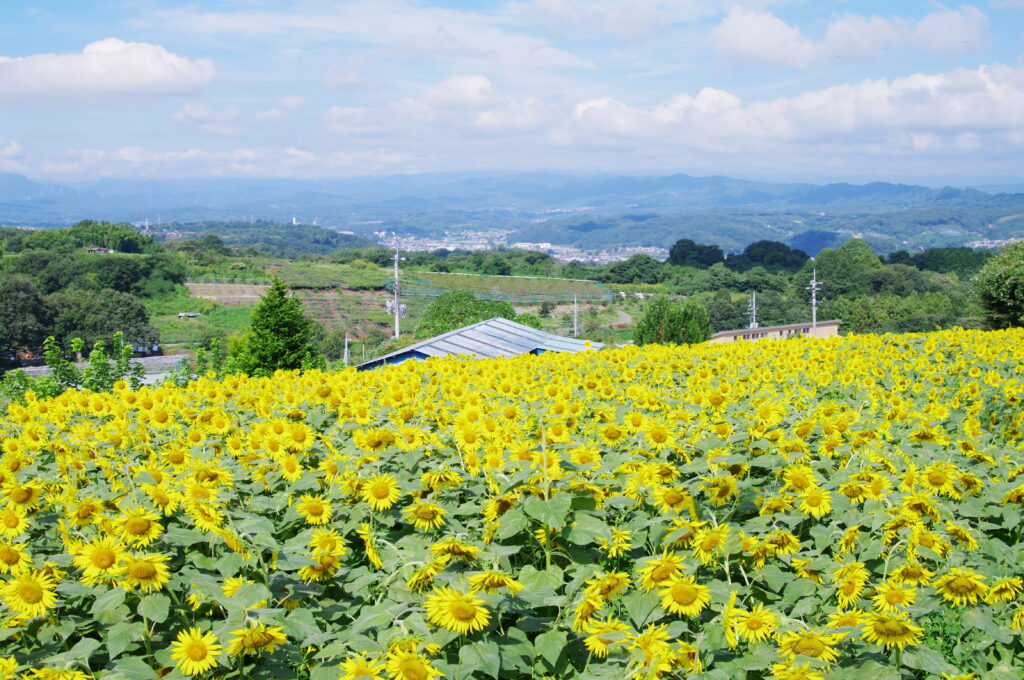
x,y
696,321
661,323
1000,285
279,336
686,253
27,317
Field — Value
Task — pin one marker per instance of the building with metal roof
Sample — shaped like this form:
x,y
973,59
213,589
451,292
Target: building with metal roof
x,y
495,337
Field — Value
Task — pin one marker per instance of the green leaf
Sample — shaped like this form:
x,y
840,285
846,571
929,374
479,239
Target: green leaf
x,y
549,645
925,659
642,607
483,656
551,512
123,635
154,607
300,625
976,618
107,601
586,529
132,668
512,522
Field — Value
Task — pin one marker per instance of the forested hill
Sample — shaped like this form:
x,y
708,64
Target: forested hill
x,y
586,210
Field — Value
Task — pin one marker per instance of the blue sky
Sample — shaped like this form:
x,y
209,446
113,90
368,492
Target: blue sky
x,y
818,90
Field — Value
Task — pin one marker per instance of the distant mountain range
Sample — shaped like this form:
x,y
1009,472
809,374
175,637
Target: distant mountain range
x,y
590,211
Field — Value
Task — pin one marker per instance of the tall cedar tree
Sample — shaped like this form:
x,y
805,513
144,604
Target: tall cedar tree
x,y
279,337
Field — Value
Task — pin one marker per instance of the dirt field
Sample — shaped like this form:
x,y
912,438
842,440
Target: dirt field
x,y
228,294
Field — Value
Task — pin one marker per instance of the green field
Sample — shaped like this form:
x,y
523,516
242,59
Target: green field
x,y
303,274
509,288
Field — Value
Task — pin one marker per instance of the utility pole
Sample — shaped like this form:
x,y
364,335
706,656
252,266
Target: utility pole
x,y
345,358
575,317
752,308
814,287
397,308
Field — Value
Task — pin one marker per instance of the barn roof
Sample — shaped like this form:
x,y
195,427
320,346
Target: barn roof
x,y
486,339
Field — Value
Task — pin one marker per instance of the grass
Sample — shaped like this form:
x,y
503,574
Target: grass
x,y
219,322
511,288
300,274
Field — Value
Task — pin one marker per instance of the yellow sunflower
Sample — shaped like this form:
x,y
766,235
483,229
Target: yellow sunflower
x,y
14,558
358,667
425,516
314,509
891,630
660,569
100,560
256,639
195,652
961,587
756,625
404,664
460,612
809,643
146,572
381,492
139,526
492,581
602,634
30,593
684,596
13,521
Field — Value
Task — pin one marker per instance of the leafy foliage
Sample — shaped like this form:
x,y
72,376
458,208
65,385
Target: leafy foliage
x,y
1000,286
459,308
279,337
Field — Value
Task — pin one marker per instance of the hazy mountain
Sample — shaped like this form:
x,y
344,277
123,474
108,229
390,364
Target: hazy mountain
x,y
588,210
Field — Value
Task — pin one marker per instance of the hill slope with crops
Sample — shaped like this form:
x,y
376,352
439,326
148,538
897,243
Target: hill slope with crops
x,y
845,508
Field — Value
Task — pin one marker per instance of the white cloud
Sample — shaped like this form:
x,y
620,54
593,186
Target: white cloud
x,y
956,111
209,120
474,40
631,20
136,161
473,104
284,106
9,148
105,67
757,37
353,120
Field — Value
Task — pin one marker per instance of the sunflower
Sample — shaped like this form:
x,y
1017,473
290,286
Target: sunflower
x,y
607,585
369,545
425,516
671,498
139,526
816,502
146,572
256,639
324,566
14,559
788,671
30,593
1003,590
756,625
358,667
708,543
961,587
809,643
314,509
492,581
729,620
890,597
381,492
891,630
601,634
911,574
403,664
684,596
455,548
460,612
13,521
658,570
195,652
100,560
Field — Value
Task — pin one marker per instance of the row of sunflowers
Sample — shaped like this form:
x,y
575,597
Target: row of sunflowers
x,y
797,510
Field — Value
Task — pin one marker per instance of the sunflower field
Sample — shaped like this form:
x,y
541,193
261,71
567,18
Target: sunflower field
x,y
847,508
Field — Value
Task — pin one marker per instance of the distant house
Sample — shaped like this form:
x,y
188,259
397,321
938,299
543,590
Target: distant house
x,y
495,337
96,250
188,315
825,329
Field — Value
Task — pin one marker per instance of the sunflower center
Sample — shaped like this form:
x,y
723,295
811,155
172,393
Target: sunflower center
x,y
380,491
463,611
894,597
890,628
936,478
20,495
753,624
142,571
684,593
137,526
412,669
809,646
30,592
663,572
196,651
103,558
962,585
426,513
315,509
673,497
709,543
9,555
11,520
